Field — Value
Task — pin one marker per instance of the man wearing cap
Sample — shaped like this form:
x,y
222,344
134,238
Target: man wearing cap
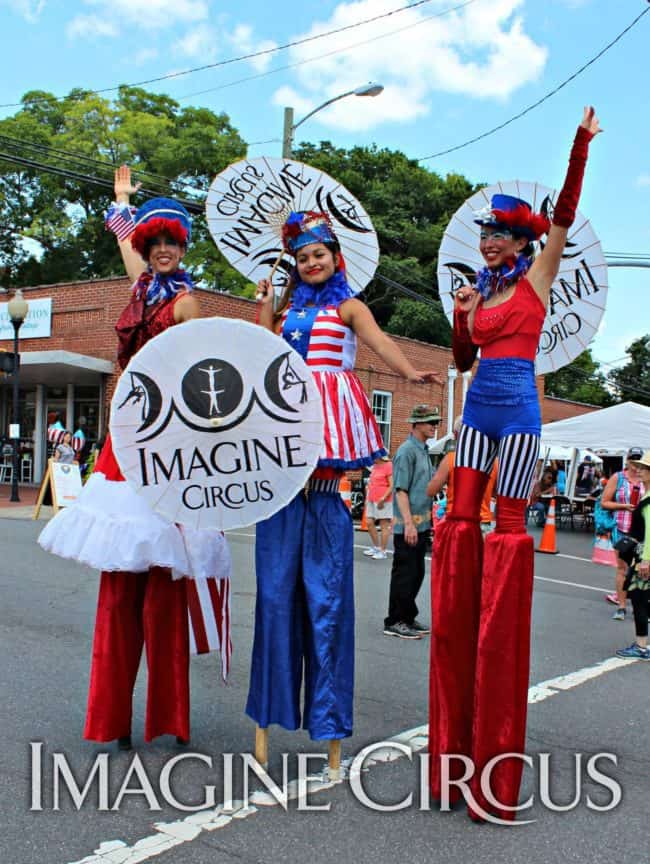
x,y
412,472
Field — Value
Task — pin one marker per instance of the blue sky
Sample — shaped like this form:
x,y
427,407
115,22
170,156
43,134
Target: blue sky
x,y
447,79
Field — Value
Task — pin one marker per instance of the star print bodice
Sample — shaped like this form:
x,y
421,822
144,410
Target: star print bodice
x,y
321,337
351,437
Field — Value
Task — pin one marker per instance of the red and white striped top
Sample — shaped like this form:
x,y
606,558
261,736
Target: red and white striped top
x,y
332,344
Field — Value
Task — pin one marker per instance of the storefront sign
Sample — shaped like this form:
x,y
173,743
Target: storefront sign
x,y
37,324
66,480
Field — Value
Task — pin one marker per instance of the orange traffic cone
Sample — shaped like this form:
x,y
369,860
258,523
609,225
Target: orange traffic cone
x,y
345,490
547,543
603,552
364,521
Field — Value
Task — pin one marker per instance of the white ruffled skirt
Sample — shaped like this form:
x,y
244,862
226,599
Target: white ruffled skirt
x,y
110,527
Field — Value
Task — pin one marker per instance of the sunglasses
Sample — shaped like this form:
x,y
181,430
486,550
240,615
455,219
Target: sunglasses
x,y
496,235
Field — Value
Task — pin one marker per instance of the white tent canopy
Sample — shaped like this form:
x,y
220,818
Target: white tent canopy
x,y
440,445
565,454
609,431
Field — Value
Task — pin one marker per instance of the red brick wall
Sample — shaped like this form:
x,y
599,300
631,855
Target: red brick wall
x,y
559,409
84,316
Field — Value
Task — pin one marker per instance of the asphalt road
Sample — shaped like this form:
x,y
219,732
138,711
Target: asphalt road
x,y
46,623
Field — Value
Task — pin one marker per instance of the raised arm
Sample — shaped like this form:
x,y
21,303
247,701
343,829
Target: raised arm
x,y
134,264
547,264
465,304
357,316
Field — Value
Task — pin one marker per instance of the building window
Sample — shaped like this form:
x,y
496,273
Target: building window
x,y
382,403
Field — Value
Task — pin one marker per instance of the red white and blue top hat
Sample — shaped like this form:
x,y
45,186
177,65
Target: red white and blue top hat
x,y
515,215
161,216
306,227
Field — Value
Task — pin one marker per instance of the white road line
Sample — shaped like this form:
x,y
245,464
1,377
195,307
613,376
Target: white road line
x,y
572,584
577,558
171,834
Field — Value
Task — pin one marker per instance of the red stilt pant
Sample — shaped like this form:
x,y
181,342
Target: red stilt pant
x,y
503,659
480,645
455,604
132,609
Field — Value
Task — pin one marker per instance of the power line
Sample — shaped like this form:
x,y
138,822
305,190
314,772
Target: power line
x,y
73,156
76,176
252,55
301,63
539,101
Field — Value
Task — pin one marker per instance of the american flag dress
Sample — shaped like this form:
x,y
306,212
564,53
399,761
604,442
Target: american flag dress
x,y
351,435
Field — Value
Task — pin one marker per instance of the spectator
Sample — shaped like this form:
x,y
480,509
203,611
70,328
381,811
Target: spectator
x,y
560,480
412,472
64,452
586,476
537,506
639,571
379,506
623,491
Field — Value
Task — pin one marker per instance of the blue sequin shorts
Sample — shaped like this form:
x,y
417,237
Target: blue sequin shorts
x,y
502,399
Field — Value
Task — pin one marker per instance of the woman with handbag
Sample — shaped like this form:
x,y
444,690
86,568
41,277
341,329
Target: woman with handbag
x,y
636,549
623,491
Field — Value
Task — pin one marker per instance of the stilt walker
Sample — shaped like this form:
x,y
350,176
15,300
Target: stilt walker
x,y
481,591
144,597
304,617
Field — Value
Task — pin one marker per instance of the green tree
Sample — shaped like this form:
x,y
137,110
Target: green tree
x,y
62,218
410,207
582,381
632,381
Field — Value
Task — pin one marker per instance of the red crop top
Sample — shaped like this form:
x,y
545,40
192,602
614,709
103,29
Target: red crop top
x,y
511,329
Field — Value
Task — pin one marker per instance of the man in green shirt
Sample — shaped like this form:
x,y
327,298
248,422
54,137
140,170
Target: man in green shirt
x,y
412,472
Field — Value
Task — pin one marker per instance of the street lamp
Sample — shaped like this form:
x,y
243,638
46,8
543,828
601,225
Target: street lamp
x,y
290,127
17,309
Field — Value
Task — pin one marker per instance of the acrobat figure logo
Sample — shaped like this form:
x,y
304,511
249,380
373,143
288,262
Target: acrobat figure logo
x,y
212,388
215,396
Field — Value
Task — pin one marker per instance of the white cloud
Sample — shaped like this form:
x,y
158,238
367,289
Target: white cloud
x,y
29,9
111,16
144,55
643,180
243,42
482,51
201,43
89,26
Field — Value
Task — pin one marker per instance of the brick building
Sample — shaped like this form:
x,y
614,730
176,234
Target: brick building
x,y
68,368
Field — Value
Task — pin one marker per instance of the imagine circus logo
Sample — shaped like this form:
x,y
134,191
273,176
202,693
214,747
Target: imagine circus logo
x,y
215,399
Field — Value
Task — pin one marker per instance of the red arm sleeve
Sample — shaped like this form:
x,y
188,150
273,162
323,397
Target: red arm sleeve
x,y
462,346
567,200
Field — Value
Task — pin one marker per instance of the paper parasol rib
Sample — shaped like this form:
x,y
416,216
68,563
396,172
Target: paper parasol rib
x,y
248,202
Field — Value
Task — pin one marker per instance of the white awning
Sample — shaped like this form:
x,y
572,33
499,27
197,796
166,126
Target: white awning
x,y
58,368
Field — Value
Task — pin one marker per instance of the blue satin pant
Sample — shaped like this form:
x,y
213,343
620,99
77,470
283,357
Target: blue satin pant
x,y
304,618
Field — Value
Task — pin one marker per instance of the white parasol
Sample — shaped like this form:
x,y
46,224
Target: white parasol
x,y
250,200
579,291
217,423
